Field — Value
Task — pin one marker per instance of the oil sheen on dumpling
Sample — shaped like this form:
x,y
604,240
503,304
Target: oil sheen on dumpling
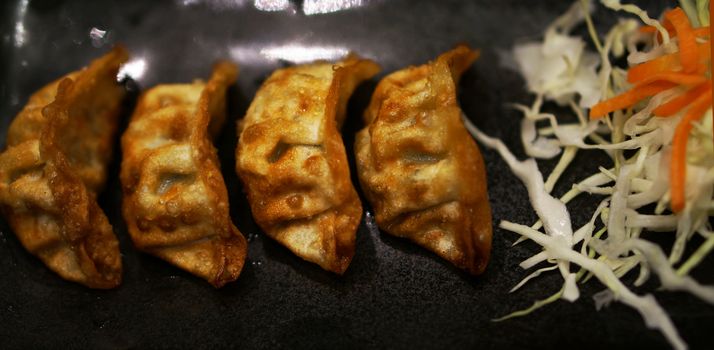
x,y
175,201
420,169
58,149
292,161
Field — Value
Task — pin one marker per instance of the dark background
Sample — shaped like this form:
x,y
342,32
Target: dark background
x,y
394,294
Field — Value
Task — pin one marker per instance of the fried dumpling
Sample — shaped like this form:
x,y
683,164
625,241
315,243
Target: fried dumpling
x,y
292,161
420,169
175,201
58,149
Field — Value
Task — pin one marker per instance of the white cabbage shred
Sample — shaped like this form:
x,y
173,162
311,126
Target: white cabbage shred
x,y
561,69
559,66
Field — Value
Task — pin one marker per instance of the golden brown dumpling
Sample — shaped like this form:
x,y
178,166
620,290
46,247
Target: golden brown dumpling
x,y
58,149
175,201
419,167
292,161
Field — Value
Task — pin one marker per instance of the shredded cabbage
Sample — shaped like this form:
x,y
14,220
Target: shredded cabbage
x,y
613,242
559,67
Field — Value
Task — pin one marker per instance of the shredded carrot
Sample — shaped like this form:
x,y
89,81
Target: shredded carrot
x,y
687,67
702,32
658,65
680,102
677,78
678,169
668,25
688,53
648,87
629,98
666,63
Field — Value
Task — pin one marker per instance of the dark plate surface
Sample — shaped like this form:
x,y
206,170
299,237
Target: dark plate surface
x,y
394,294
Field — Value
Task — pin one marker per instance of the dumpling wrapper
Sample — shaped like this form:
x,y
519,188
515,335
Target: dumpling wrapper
x,y
292,161
420,169
175,201
58,149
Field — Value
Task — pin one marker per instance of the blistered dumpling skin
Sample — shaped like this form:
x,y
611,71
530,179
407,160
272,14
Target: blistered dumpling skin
x,y
420,169
292,161
175,201
58,149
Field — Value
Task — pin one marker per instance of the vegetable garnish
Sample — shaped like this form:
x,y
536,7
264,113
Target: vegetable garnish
x,y
663,64
687,68
629,98
678,103
687,40
679,147
653,120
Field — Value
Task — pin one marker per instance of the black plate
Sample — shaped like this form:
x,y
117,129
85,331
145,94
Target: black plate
x,y
394,294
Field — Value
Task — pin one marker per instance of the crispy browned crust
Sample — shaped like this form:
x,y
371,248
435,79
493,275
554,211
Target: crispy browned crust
x,y
59,146
175,201
292,161
420,169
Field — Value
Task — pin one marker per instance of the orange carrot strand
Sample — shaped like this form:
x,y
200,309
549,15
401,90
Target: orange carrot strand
x,y
629,98
702,32
678,103
666,63
677,78
688,53
678,167
660,64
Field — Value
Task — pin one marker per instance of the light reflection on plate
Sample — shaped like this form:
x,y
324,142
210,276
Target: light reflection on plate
x,y
309,7
293,53
314,7
274,5
20,34
133,69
